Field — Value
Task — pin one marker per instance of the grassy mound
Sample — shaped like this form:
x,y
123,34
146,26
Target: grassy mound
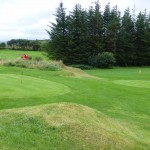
x,y
62,126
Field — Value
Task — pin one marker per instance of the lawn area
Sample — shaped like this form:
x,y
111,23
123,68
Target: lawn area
x,y
56,110
7,54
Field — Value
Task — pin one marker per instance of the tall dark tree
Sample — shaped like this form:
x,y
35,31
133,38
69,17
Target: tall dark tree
x,y
95,30
107,19
147,53
77,22
126,40
58,35
111,28
114,27
143,39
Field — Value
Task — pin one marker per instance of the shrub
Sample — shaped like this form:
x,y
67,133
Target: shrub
x,y
103,60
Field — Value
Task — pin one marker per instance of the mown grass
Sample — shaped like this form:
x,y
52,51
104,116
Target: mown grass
x,y
118,117
19,86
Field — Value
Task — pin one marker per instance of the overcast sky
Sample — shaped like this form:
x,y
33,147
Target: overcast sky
x,y
28,19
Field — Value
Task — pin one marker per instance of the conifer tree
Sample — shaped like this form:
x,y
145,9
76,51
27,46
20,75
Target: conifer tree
x,y
58,35
114,27
143,39
126,40
78,35
95,30
107,19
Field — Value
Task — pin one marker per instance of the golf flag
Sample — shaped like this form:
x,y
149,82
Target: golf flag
x,y
25,57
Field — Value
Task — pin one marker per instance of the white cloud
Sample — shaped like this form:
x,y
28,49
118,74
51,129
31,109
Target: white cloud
x,y
29,18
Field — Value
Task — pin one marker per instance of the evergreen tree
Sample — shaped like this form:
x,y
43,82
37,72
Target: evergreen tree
x,y
58,35
143,39
107,19
126,40
78,35
147,53
95,30
114,27
111,28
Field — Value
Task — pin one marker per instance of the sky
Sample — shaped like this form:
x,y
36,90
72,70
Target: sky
x,y
28,19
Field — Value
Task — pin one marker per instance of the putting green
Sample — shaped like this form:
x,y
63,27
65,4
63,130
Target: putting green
x,y
21,86
134,83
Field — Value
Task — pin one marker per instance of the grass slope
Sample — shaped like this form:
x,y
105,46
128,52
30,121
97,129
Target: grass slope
x,y
62,126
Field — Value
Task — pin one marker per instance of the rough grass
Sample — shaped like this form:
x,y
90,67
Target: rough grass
x,y
32,64
62,126
77,73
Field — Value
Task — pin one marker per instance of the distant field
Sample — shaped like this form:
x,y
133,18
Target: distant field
x,y
65,110
16,54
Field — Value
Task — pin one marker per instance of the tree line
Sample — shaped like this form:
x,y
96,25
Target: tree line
x,y
23,44
84,33
2,45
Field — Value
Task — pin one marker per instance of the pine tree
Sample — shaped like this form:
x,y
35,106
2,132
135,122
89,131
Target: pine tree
x,y
107,19
126,41
95,30
58,35
147,53
143,39
111,28
114,27
78,35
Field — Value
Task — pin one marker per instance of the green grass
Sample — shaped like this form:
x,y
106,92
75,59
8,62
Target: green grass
x,y
62,126
19,86
111,111
17,54
134,83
